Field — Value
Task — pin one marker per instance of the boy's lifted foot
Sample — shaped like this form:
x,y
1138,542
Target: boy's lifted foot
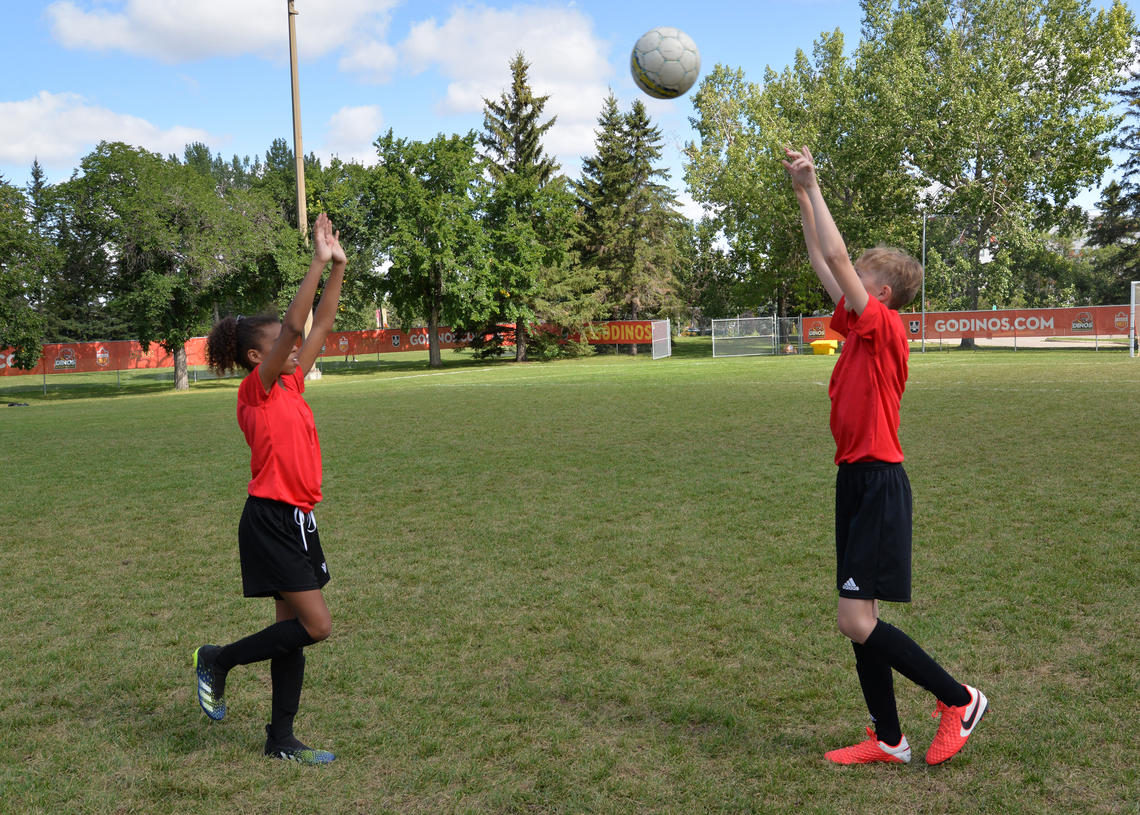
x,y
291,749
956,725
211,682
870,751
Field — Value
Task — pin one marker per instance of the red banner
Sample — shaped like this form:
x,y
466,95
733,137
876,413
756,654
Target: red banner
x,y
618,332
124,355
1025,322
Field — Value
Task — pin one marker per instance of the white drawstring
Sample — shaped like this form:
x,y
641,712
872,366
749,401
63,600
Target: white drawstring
x,y
303,520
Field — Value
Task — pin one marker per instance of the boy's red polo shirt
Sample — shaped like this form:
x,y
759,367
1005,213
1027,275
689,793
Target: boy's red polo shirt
x,y
285,453
867,384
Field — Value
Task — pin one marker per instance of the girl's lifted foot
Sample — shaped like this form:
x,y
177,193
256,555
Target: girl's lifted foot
x,y
211,682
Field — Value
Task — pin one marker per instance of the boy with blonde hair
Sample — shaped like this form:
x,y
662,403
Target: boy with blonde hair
x,y
872,492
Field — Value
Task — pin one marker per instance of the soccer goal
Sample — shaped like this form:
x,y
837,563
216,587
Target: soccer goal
x,y
662,339
1133,351
744,336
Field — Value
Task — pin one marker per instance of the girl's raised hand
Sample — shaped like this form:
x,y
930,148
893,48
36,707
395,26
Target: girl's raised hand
x,y
338,255
323,239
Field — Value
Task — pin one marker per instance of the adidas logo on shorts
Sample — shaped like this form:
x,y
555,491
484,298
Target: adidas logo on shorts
x,y
850,585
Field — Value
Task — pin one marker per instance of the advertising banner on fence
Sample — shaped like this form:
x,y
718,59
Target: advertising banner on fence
x,y
124,355
1088,321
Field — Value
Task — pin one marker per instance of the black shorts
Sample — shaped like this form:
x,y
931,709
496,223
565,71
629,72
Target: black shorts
x,y
872,531
280,549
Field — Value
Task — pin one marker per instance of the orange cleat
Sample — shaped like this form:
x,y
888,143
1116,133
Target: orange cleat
x,y
956,725
871,751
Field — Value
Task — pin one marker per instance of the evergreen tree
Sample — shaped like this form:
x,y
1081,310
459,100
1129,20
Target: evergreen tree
x,y
629,232
647,282
520,219
513,131
603,192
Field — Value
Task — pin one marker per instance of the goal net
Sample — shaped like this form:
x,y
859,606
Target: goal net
x,y
1134,320
662,339
744,336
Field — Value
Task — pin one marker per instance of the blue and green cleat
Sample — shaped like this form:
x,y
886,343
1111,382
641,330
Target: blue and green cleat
x,y
211,682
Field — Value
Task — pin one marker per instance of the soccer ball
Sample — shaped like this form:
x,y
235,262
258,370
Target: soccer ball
x,y
665,62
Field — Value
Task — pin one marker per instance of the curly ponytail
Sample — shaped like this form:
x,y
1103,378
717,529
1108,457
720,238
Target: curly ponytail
x,y
231,339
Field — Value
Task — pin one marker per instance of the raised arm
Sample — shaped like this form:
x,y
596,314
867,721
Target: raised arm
x,y
833,251
822,271
293,323
325,240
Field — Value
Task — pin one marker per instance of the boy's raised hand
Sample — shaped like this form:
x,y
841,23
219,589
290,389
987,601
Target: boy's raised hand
x,y
800,166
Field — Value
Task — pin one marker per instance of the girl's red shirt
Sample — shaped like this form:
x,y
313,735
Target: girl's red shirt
x,y
285,459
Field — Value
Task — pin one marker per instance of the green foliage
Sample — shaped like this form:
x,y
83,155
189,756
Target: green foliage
x,y
21,324
629,235
526,216
421,209
996,113
1006,111
734,168
173,248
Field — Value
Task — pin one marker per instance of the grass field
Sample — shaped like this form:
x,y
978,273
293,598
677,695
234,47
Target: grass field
x,y
591,586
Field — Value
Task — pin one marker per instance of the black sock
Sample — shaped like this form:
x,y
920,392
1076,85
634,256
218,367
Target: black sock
x,y
877,682
277,640
288,674
905,656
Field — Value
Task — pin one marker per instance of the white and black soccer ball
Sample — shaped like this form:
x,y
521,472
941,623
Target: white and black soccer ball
x,y
665,62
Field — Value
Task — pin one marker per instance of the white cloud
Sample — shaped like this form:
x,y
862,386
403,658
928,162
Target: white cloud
x,y
473,47
177,30
350,133
60,128
373,62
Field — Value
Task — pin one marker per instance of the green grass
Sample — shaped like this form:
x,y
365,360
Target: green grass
x,y
590,586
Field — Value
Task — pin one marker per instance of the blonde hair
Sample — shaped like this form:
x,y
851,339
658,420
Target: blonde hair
x,y
894,268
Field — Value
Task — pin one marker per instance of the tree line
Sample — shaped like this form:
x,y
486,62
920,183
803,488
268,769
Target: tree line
x,y
973,122
477,231
960,130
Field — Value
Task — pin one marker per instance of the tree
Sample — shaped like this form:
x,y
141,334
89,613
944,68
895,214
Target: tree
x,y
711,285
21,325
629,234
734,169
519,170
1115,231
421,212
1114,238
646,282
603,191
1005,111
174,247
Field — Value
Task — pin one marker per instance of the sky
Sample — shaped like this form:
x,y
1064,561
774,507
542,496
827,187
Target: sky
x,y
159,74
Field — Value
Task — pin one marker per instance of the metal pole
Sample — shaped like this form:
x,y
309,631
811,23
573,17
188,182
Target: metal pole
x,y
924,282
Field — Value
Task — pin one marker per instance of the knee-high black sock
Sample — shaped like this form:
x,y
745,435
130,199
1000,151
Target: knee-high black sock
x,y
877,682
288,673
277,640
905,656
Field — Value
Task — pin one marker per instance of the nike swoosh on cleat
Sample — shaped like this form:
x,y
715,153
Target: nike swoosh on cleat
x,y
968,723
